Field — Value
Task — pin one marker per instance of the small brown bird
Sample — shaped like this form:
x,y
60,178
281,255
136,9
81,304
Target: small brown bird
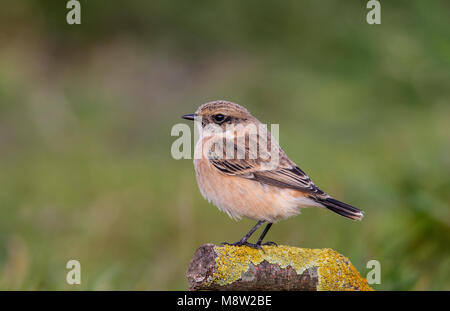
x,y
242,178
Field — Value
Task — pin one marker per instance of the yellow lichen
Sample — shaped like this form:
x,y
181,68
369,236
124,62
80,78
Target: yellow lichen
x,y
335,271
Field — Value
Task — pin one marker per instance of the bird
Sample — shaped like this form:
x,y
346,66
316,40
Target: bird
x,y
236,171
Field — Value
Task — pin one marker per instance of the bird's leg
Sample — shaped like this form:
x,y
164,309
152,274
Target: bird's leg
x,y
266,229
243,241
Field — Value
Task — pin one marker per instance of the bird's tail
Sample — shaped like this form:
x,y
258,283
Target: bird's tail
x,y
341,208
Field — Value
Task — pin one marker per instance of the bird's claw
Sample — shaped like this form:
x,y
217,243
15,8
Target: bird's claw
x,y
241,243
269,243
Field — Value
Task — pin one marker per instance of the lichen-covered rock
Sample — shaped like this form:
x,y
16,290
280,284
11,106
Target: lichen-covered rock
x,y
276,268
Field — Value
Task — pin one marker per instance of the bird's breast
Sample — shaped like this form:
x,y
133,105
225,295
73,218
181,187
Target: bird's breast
x,y
238,196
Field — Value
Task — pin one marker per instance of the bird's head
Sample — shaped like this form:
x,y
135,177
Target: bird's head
x,y
222,113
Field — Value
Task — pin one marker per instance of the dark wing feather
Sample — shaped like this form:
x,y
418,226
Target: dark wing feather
x,y
285,175
293,178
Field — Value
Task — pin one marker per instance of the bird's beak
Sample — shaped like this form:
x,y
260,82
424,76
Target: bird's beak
x,y
189,116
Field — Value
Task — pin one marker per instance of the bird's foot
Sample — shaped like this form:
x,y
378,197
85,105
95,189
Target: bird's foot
x,y
268,243
242,243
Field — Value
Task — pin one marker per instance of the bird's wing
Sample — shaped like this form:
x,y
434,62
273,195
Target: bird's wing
x,y
282,172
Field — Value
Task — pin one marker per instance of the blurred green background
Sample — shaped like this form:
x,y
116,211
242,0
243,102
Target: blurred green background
x,y
86,113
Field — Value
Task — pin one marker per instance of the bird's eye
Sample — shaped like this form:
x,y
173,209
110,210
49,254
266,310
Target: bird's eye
x,y
219,118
